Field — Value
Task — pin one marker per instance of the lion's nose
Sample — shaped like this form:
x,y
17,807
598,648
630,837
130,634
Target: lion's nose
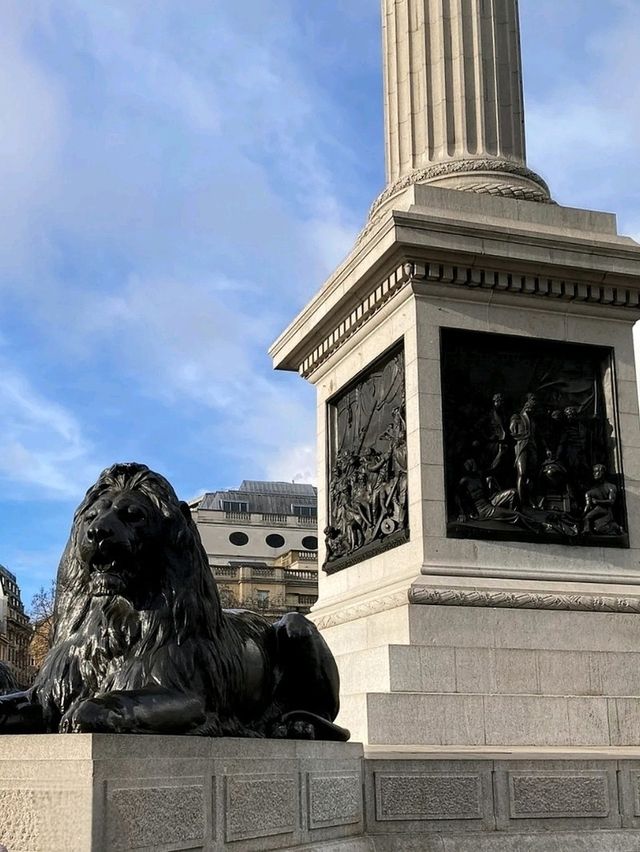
x,y
97,535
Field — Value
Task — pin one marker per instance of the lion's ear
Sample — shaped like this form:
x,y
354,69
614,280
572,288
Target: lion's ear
x,y
186,511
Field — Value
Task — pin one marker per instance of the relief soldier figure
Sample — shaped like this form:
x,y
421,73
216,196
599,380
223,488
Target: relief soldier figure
x,y
478,497
524,431
599,504
498,439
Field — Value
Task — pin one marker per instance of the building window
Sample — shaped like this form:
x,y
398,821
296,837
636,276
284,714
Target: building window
x,y
310,542
275,540
262,599
234,506
239,539
305,511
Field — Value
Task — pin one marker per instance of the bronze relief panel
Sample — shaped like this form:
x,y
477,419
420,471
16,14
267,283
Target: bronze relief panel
x,y
367,482
531,440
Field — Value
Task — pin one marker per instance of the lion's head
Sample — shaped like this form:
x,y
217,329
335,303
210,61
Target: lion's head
x,y
122,530
133,539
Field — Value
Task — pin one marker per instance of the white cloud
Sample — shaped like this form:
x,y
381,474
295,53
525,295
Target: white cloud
x,y
41,443
294,464
584,128
33,127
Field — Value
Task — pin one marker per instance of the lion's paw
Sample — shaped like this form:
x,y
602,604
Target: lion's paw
x,y
293,730
93,716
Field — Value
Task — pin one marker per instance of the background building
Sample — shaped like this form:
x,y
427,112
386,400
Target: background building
x,y
262,544
15,630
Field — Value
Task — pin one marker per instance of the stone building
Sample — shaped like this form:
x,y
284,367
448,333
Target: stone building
x,y
15,630
262,540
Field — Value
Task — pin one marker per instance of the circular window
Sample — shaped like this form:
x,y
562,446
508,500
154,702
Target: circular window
x,y
238,538
310,542
275,540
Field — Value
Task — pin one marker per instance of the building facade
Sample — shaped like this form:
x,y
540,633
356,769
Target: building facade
x,y
262,541
15,630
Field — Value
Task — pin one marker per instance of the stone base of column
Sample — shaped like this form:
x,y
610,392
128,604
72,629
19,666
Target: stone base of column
x,y
484,176
466,677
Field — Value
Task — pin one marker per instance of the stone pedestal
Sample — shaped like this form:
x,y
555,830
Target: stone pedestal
x,y
445,260
470,801
479,468
101,793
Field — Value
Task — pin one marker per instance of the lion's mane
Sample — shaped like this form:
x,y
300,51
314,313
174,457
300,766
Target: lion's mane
x,y
102,644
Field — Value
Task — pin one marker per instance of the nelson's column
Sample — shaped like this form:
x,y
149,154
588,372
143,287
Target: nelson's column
x,y
479,465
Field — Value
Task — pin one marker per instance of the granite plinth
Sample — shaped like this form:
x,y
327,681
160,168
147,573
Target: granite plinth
x,y
539,801
93,793
99,793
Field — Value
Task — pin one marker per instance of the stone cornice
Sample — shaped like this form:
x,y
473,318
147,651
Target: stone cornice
x,y
360,610
524,600
421,274
358,317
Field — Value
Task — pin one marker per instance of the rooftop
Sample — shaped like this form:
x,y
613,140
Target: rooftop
x,y
275,498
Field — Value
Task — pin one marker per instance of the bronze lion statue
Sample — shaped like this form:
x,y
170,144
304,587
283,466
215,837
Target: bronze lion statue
x,y
142,645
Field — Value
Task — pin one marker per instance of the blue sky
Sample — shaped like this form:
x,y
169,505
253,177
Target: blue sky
x,y
177,179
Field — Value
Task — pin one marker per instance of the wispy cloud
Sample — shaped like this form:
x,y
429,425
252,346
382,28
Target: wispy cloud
x,y
41,443
191,207
584,123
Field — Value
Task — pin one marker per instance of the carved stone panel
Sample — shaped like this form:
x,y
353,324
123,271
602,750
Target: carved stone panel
x,y
150,815
260,806
537,795
334,799
428,797
367,476
531,438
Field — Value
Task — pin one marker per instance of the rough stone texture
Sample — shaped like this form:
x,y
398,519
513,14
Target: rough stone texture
x,y
259,806
587,841
150,815
559,795
334,799
29,818
426,797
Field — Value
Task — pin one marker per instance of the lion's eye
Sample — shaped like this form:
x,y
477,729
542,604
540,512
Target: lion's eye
x,y
134,513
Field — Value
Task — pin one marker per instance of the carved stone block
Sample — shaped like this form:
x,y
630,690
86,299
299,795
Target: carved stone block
x,y
334,798
428,797
534,795
172,812
260,805
34,817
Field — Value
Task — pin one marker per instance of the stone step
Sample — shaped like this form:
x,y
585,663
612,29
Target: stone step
x,y
490,671
456,719
528,629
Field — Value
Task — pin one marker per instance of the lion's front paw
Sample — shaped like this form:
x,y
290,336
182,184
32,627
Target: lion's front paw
x,y
93,716
293,730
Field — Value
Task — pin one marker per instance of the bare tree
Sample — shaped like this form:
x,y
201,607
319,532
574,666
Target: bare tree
x,y
41,614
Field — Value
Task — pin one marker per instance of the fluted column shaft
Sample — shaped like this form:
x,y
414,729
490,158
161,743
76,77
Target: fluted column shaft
x,y
453,82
